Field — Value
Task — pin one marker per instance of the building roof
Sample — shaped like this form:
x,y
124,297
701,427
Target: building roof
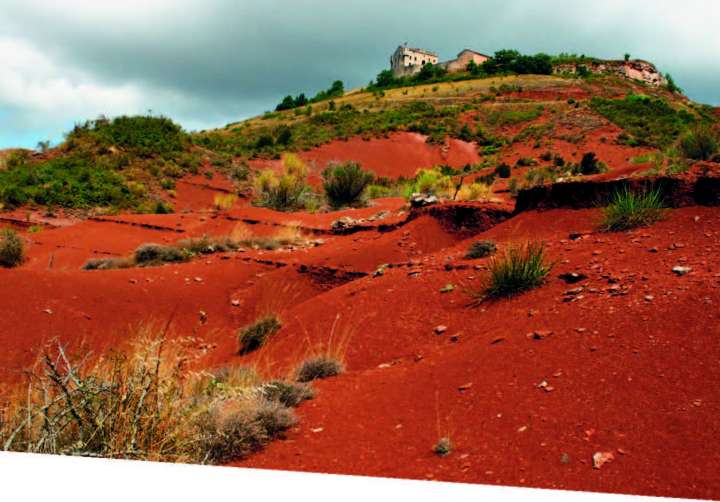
x,y
415,49
474,52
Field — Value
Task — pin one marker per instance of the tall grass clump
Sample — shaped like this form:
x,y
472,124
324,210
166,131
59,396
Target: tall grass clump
x,y
12,248
141,403
253,336
344,183
519,269
154,254
628,209
287,191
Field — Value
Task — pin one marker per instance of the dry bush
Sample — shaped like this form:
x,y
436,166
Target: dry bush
x,y
142,403
224,202
12,248
254,336
107,263
318,367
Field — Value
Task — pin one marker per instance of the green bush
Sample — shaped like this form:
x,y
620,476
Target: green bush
x,y
254,336
503,170
589,164
518,270
651,121
344,183
480,249
12,248
699,144
71,182
318,367
628,209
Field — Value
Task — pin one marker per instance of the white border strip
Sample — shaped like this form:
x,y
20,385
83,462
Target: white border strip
x,y
35,477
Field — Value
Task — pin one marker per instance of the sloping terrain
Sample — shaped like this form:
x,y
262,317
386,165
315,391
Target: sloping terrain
x,y
528,389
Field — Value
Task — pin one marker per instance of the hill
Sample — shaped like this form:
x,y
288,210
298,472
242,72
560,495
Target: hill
x,y
265,244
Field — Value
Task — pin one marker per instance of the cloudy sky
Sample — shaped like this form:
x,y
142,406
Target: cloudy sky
x,y
209,62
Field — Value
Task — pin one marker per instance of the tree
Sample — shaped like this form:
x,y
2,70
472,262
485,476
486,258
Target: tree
x,y
473,68
385,79
287,103
627,57
301,100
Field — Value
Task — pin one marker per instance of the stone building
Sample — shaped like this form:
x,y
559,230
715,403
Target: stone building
x,y
463,59
408,61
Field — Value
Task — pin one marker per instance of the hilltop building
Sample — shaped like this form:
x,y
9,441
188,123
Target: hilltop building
x,y
408,60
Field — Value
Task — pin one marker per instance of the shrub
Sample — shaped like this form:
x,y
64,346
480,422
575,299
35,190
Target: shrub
x,y
138,404
480,249
519,269
286,192
254,336
443,447
629,210
589,164
287,393
431,182
151,254
235,428
318,367
344,183
699,144
503,170
526,162
12,248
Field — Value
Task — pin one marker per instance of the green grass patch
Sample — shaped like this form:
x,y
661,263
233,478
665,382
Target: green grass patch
x,y
628,209
649,121
519,269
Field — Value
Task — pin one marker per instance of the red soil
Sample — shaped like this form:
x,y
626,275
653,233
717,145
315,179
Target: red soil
x,y
399,155
629,366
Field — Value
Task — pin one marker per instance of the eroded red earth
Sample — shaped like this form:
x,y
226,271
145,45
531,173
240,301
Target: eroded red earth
x,y
627,364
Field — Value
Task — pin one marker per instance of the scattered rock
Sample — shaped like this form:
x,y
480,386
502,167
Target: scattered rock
x,y
572,277
539,335
465,386
497,339
440,329
545,386
649,298
601,458
380,271
48,311
345,223
235,303
565,458
455,338
680,270
422,200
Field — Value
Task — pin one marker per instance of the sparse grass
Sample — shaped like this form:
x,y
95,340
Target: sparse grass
x,y
12,248
443,447
155,254
224,202
628,209
519,269
255,335
141,403
318,367
148,255
288,393
480,249
107,263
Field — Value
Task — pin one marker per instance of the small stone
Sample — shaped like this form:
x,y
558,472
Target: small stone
x,y
235,303
545,386
48,311
539,335
440,329
581,330
465,386
649,298
198,279
317,429
497,339
653,250
679,270
565,458
572,277
601,458
447,288
454,338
